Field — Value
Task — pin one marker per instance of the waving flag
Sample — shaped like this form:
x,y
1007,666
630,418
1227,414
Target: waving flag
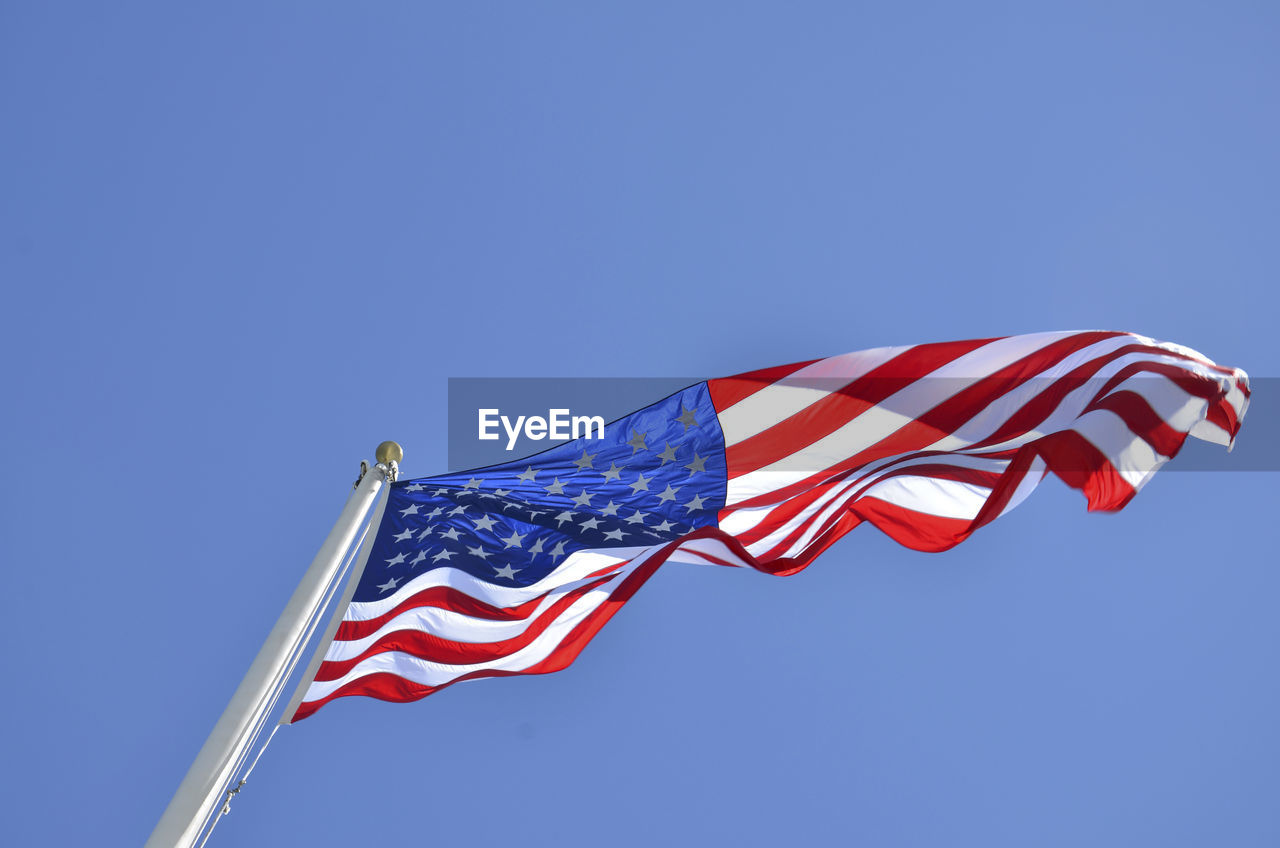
x,y
512,569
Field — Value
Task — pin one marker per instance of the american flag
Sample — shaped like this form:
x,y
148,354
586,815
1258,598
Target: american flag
x,y
512,569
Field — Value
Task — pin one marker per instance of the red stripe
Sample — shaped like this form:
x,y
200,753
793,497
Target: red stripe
x,y
795,506
931,471
390,687
726,391
1223,416
1073,458
785,511
1004,491
445,597
824,417
1142,420
1079,464
1220,412
1038,409
957,411
919,531
1193,384
428,646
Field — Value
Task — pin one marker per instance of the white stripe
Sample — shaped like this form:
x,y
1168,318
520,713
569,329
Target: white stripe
x,y
436,674
1176,407
822,510
1131,455
996,414
1073,403
429,673
452,625
576,566
780,400
931,495
889,416
1027,485
981,427
705,551
1173,404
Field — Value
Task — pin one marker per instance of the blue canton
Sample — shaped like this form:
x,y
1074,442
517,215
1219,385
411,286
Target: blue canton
x,y
656,475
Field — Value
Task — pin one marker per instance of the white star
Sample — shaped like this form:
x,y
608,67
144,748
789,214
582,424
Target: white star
x,y
451,534
641,483
614,534
473,483
426,531
558,551
699,464
563,517
614,472
513,541
485,522
411,509
556,487
390,584
636,442
591,523
433,513
583,499
669,494
478,552
407,534
422,554
416,487
687,418
610,508
536,547
508,572
638,518
668,455
695,504
501,493
395,560
458,510
664,527
444,554
584,462
528,476
439,492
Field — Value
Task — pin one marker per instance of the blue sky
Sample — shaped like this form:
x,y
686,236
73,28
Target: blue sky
x,y
242,245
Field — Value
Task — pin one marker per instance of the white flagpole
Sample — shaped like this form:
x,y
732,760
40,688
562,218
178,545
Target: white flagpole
x,y
335,619
211,773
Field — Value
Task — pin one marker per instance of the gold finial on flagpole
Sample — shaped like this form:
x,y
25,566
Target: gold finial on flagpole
x,y
389,452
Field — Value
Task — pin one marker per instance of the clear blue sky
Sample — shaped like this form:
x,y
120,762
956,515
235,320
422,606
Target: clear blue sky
x,y
242,245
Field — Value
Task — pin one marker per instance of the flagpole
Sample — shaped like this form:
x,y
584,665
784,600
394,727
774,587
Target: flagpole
x,y
211,773
335,618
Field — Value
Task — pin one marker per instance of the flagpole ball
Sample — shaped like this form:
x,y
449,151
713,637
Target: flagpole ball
x,y
389,452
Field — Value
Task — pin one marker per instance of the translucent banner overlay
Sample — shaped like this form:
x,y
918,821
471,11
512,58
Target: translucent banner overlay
x,y
524,415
